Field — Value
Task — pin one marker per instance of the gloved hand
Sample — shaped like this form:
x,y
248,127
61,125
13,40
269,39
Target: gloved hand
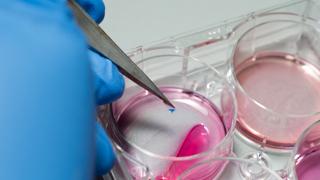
x,y
47,99
109,85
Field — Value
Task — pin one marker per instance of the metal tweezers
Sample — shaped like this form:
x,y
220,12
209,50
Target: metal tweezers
x,y
102,43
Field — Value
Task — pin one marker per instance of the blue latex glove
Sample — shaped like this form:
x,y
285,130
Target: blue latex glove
x,y
95,8
109,85
47,106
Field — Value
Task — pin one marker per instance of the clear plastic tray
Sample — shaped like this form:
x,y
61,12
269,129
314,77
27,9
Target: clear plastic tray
x,y
214,45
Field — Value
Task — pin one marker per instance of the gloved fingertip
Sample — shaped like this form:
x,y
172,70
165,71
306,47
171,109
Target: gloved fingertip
x,y
105,157
109,82
95,8
112,89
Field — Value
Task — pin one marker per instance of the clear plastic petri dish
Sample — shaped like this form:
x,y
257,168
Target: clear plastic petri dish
x,y
275,69
155,141
304,163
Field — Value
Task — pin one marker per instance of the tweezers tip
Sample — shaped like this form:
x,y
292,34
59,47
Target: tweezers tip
x,y
167,102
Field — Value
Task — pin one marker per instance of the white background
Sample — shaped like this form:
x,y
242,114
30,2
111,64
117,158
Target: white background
x,y
136,22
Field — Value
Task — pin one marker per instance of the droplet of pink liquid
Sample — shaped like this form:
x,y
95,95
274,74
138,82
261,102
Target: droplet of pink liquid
x,y
196,141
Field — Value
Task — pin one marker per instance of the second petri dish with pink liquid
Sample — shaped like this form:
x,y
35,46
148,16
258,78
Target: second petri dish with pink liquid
x,y
155,141
304,163
276,70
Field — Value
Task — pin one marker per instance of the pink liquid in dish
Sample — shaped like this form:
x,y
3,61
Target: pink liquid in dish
x,y
308,165
195,126
284,92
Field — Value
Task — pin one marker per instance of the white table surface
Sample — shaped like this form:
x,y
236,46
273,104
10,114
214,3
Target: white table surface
x,y
136,22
